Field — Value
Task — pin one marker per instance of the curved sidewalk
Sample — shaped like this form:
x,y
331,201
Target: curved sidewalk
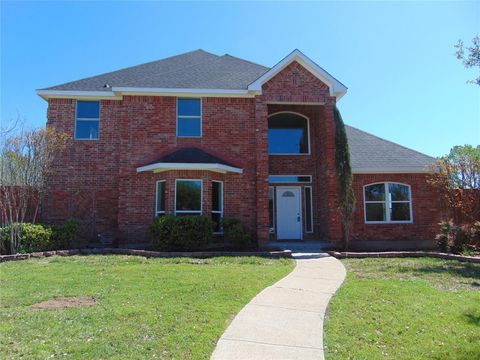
x,y
285,321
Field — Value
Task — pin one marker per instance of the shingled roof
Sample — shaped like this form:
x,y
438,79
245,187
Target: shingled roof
x,y
193,70
190,158
371,154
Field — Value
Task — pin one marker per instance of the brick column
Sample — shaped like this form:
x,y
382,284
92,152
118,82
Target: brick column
x,y
334,225
261,155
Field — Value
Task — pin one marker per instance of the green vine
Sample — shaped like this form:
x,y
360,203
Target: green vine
x,y
344,175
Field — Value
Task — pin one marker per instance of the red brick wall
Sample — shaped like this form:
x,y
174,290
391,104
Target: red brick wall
x,y
292,85
425,205
96,181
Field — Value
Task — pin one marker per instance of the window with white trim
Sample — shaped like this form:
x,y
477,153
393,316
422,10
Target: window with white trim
x,y
188,197
217,205
289,179
271,208
160,198
189,117
308,209
288,134
388,202
87,120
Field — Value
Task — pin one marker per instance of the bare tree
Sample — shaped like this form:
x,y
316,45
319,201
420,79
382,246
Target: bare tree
x,y
26,159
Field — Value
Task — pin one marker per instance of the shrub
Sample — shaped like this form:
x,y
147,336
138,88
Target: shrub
x,y
237,234
37,237
458,239
63,236
181,233
446,235
33,237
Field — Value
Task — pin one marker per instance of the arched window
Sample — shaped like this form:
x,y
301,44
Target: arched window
x,y
388,203
288,134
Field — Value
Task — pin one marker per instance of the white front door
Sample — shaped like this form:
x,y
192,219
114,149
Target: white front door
x,y
289,213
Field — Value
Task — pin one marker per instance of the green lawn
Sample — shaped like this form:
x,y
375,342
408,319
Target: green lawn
x,y
405,309
146,308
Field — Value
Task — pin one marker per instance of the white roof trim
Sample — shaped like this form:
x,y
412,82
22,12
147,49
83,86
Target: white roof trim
x,y
116,93
337,89
221,168
398,170
46,94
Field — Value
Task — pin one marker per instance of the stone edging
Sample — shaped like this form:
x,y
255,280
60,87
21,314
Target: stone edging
x,y
399,254
145,253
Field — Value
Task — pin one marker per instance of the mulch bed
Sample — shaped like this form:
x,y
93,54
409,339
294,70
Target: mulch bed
x,y
145,253
398,254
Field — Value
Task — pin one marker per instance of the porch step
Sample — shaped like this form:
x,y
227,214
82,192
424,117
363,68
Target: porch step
x,y
300,246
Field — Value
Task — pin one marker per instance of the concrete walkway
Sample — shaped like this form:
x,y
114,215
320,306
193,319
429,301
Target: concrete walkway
x,y
285,321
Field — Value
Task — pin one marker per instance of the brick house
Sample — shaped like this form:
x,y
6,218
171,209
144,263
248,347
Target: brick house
x,y
199,133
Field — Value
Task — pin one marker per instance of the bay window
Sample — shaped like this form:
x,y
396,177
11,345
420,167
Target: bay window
x,y
188,197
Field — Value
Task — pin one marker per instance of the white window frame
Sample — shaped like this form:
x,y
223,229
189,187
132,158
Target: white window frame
x,y
199,212
190,117
77,119
311,208
290,182
221,204
308,133
388,203
159,212
274,215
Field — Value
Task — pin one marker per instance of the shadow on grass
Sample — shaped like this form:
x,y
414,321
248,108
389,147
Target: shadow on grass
x,y
471,271
473,318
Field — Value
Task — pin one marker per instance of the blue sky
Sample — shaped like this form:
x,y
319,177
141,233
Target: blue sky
x,y
396,58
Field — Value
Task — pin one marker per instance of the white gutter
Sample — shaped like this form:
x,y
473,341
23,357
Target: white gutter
x,y
77,94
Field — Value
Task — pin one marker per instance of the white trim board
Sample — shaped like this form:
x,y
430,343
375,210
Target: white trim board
x,y
221,168
336,88
393,170
117,93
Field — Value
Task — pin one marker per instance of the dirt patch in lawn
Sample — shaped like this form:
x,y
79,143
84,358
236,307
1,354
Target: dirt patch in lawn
x,y
65,302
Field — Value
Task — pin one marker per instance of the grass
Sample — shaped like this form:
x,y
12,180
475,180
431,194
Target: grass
x,y
146,308
405,309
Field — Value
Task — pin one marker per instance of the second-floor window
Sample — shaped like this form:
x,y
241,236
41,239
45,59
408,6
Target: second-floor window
x,y
288,134
87,122
189,117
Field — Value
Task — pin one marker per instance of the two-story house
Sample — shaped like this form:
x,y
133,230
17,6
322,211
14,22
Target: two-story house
x,y
220,136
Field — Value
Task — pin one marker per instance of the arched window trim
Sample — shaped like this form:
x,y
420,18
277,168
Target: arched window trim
x,y
308,132
387,215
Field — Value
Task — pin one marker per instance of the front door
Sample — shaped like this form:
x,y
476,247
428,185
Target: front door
x,y
289,213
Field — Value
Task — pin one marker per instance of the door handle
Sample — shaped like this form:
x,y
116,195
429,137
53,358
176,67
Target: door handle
x,y
298,218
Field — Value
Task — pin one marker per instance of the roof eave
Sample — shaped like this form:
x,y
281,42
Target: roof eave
x,y
215,167
117,93
77,94
394,170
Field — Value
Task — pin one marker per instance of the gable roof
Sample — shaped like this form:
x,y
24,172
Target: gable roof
x,y
192,70
372,154
190,158
191,73
337,89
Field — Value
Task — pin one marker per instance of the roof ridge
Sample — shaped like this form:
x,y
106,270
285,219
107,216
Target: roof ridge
x,y
389,141
133,67
248,61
